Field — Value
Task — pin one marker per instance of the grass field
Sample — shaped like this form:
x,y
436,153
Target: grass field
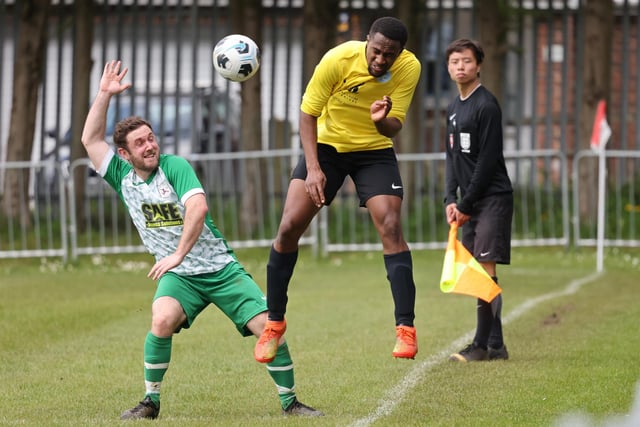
x,y
71,346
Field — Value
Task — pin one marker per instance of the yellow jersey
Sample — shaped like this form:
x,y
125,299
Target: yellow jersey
x,y
341,91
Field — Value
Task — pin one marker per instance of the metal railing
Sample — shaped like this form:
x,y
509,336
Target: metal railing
x,y
541,211
35,223
246,193
622,201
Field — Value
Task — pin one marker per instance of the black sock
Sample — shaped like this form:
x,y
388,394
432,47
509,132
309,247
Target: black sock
x,y
495,339
485,320
279,271
403,289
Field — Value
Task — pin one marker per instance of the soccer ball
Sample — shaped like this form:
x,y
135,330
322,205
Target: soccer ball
x,y
236,57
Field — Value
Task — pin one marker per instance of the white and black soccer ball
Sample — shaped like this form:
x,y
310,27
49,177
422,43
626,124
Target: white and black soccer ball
x,y
236,57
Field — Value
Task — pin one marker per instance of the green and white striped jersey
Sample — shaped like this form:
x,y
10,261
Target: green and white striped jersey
x,y
156,207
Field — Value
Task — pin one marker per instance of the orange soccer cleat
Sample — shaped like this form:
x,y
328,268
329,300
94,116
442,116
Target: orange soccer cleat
x,y
267,345
406,342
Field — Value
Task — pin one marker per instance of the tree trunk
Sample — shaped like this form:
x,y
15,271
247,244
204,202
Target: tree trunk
x,y
320,20
596,84
27,75
82,64
247,20
493,23
408,140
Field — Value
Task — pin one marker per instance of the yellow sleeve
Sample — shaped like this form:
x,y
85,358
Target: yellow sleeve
x,y
320,87
408,74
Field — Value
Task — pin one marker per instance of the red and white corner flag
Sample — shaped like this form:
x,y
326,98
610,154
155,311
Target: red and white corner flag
x,y
601,130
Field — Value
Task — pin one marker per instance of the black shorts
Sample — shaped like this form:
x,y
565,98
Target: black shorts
x,y
373,172
487,235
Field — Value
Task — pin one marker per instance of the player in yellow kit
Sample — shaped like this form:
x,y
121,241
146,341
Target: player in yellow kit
x,y
355,102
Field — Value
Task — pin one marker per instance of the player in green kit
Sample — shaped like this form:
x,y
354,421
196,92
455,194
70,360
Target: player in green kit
x,y
194,265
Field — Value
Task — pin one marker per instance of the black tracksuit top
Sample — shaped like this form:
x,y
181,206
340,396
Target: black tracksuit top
x,y
474,150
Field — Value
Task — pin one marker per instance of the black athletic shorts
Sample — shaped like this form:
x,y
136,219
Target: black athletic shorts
x,y
374,172
487,235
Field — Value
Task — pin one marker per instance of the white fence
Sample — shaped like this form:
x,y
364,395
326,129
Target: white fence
x,y
622,201
246,192
42,231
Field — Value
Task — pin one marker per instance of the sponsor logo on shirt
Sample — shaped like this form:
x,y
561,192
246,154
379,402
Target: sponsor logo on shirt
x,y
355,88
161,215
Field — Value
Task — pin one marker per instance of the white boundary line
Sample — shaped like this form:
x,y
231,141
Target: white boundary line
x,y
395,395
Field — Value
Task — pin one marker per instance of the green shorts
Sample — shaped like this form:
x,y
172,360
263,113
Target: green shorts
x,y
231,289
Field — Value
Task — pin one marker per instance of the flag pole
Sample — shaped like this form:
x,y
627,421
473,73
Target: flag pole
x,y
602,188
599,138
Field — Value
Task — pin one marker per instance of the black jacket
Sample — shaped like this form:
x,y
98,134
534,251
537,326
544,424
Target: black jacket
x,y
474,150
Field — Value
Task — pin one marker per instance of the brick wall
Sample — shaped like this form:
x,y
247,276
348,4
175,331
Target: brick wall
x,y
562,89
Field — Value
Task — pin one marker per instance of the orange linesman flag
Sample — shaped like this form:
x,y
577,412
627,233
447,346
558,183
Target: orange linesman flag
x,y
463,274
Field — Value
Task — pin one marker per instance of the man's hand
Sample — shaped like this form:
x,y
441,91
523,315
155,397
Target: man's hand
x,y
387,126
380,108
450,212
314,184
93,133
164,265
111,81
454,215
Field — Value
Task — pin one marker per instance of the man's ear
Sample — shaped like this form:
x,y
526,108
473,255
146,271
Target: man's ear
x,y
123,153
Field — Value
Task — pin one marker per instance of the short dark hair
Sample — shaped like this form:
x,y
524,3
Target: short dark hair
x,y
391,28
126,126
463,44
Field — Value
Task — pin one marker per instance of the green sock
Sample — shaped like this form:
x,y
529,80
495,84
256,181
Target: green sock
x,y
157,354
281,370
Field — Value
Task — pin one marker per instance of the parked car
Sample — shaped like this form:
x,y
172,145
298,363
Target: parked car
x,y
183,122
202,121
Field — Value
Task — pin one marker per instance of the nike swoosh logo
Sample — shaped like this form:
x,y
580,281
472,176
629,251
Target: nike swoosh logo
x,y
452,117
485,253
395,187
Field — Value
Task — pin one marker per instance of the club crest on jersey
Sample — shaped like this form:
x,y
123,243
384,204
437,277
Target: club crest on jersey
x,y
164,190
384,78
465,142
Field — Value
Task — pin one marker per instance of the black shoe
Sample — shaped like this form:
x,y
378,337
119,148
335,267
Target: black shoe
x,y
300,409
498,353
470,353
145,409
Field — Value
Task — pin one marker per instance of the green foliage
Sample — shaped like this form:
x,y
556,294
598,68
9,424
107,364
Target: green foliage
x,y
537,214
71,346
